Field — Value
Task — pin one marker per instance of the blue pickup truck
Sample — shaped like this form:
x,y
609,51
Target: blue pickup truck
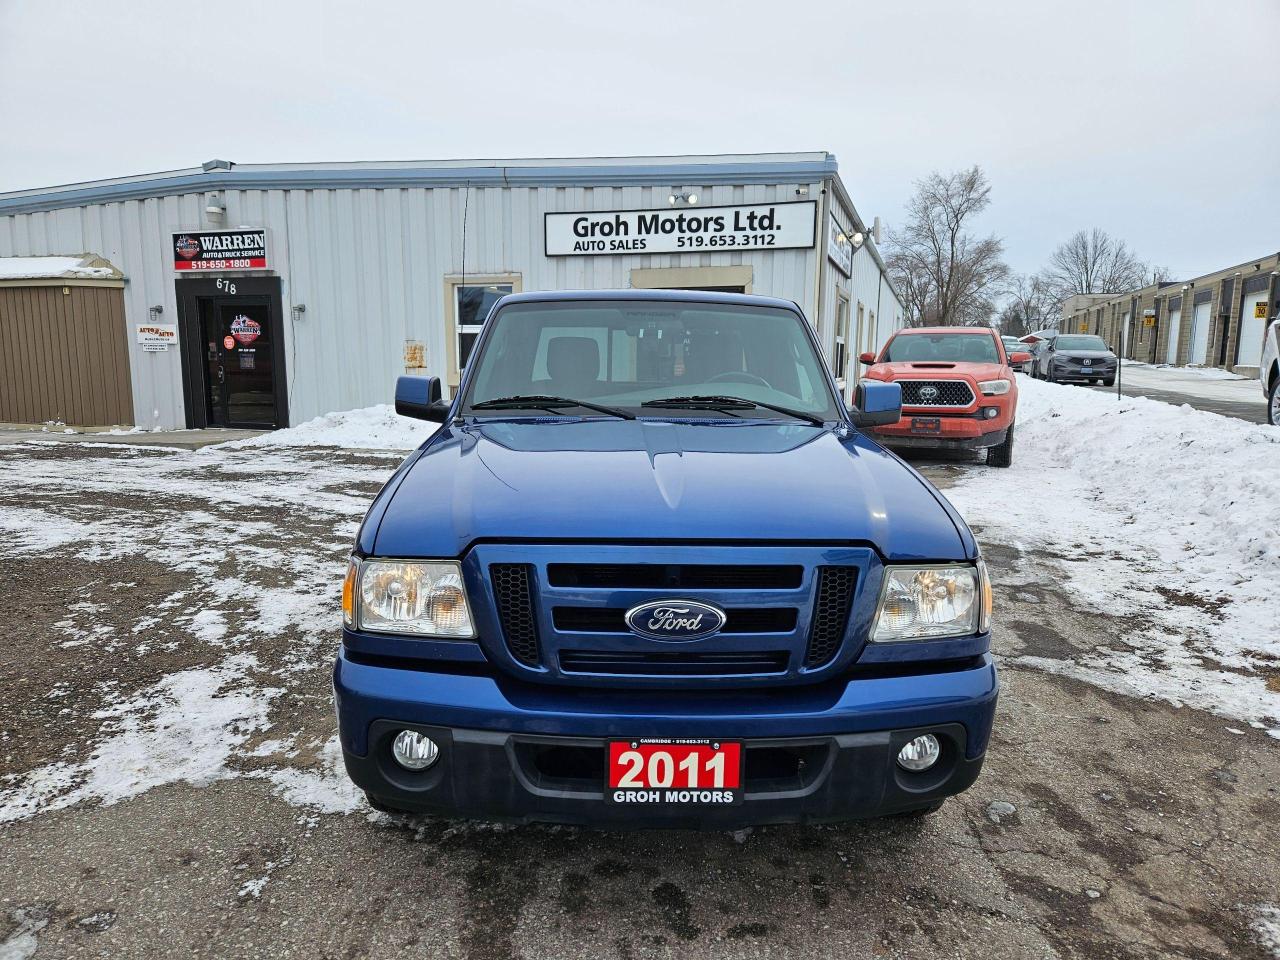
x,y
650,572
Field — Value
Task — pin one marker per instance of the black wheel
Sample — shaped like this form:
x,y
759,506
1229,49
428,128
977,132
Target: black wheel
x,y
1001,455
920,812
1273,403
1109,383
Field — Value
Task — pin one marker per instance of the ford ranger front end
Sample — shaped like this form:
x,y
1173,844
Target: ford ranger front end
x,y
649,572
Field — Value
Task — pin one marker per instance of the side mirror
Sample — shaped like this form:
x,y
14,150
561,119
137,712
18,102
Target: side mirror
x,y
876,404
1019,357
867,358
419,397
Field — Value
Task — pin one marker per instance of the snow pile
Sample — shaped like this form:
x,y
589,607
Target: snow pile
x,y
41,268
1208,373
1164,513
369,428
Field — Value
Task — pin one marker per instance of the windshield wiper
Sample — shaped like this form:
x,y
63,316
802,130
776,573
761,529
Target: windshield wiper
x,y
541,402
730,403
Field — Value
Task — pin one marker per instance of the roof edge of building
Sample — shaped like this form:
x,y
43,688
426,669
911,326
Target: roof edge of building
x,y
645,171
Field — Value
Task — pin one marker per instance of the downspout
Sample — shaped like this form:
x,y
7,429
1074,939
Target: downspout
x,y
823,232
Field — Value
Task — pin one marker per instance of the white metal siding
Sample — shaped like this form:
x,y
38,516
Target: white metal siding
x,y
369,264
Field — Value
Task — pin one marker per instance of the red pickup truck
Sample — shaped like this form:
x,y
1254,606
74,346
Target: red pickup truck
x,y
958,390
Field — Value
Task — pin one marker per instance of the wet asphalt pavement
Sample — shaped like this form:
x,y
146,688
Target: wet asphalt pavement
x,y
1101,826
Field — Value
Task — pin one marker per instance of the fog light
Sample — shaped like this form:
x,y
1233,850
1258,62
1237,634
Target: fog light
x,y
413,751
920,754
991,412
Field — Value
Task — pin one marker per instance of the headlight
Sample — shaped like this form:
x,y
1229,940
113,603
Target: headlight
x,y
422,597
920,603
993,388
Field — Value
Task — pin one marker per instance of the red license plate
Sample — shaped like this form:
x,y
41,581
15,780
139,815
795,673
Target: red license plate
x,y
926,425
675,771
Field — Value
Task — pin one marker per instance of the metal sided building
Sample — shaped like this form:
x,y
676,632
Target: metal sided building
x,y
265,295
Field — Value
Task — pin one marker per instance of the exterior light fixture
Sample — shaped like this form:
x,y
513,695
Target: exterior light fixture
x,y
689,198
214,206
298,310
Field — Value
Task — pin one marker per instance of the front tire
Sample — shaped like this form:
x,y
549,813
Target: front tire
x,y
1001,455
1273,403
1109,383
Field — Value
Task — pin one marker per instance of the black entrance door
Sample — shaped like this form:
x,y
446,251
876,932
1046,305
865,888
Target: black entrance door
x,y
233,357
238,353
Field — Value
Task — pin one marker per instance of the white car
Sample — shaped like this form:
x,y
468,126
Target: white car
x,y
1269,371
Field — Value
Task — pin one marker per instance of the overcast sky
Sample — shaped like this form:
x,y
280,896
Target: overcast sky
x,y
1158,120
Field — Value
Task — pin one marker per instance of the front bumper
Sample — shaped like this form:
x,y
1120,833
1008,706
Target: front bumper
x,y
944,442
533,753
1084,374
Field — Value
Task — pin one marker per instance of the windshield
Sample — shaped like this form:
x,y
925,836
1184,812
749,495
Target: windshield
x,y
1079,343
622,354
944,347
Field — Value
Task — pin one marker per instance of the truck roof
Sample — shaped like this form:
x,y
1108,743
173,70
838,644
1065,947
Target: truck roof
x,y
666,296
985,330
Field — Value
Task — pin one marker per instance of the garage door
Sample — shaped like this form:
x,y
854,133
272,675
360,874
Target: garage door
x,y
64,356
1253,321
1200,332
1175,321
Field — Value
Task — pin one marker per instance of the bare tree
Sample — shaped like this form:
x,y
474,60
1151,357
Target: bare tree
x,y
947,275
1092,261
1028,307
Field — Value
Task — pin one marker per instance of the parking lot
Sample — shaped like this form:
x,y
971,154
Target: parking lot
x,y
168,781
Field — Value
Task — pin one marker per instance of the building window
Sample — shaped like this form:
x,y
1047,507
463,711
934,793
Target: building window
x,y
840,352
468,302
471,306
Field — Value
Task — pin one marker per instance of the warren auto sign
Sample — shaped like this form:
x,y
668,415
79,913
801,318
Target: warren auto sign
x,y
761,226
220,250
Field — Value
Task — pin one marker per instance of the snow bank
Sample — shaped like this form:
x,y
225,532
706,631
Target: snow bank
x,y
1208,373
1159,511
369,428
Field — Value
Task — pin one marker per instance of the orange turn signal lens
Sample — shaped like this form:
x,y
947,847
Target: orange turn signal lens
x,y
349,594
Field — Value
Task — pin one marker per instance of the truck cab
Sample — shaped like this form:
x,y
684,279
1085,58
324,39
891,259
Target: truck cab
x,y
650,572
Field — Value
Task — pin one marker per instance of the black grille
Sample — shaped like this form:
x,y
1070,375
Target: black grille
x,y
830,613
614,619
512,590
935,393
673,664
679,576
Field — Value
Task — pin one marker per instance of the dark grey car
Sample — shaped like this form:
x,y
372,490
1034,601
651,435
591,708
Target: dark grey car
x,y
1075,357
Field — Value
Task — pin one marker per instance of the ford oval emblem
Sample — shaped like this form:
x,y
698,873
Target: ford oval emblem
x,y
675,620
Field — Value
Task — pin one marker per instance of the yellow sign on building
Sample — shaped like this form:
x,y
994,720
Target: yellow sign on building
x,y
1084,326
1260,310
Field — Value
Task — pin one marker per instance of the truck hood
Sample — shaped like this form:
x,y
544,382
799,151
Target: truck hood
x,y
906,370
654,480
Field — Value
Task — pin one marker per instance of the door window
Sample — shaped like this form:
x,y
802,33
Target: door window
x,y
840,353
238,355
